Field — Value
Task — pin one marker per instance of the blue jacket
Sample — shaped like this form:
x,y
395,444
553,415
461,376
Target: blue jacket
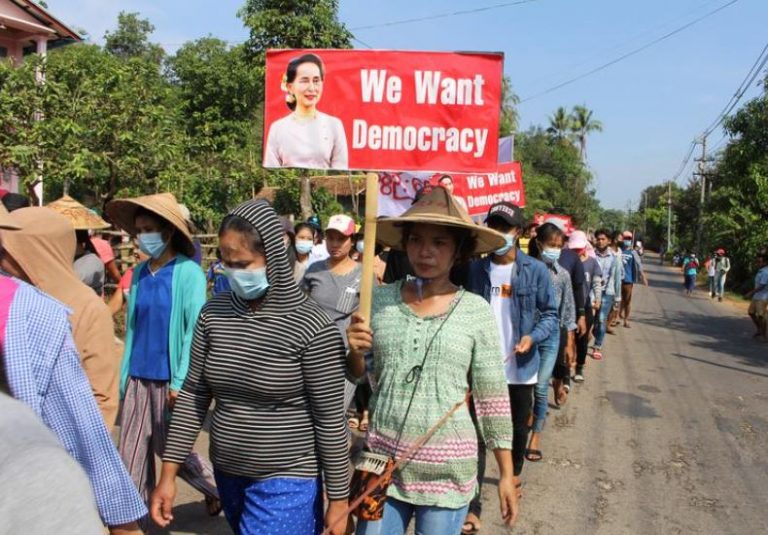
x,y
534,309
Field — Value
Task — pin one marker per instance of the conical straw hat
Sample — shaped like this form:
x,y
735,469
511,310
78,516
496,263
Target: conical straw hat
x,y
82,218
122,212
437,207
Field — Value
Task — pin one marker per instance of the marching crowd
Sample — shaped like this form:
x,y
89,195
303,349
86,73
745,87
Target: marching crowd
x,y
471,325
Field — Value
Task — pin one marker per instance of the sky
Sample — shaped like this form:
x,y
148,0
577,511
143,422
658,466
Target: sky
x,y
651,104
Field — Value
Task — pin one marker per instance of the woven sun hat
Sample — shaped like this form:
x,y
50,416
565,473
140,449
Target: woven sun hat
x,y
81,217
122,212
6,223
437,208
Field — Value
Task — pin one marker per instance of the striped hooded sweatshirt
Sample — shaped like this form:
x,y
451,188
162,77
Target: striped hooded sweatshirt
x,y
277,375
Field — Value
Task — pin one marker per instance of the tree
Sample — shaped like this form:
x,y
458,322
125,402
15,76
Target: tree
x,y
131,39
108,125
560,125
294,24
556,179
509,101
583,124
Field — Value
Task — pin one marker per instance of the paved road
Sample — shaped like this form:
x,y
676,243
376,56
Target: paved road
x,y
669,434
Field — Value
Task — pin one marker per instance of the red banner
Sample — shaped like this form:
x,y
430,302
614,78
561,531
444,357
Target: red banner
x,y
479,191
382,110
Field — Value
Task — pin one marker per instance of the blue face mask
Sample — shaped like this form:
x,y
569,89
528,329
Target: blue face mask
x,y
501,251
550,255
249,284
360,246
304,246
627,244
152,244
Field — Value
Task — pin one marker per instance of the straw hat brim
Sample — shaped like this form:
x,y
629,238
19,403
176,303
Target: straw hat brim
x,y
122,212
80,216
389,231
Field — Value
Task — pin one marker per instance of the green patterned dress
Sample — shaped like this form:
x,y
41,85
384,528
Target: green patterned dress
x,y
465,352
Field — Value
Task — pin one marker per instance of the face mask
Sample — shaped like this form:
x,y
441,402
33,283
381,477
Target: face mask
x,y
304,246
627,244
501,251
152,244
249,284
550,255
360,246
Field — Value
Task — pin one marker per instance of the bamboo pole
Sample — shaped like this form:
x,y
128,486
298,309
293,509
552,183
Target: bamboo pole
x,y
369,250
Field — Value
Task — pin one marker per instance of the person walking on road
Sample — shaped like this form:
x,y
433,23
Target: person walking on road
x,y
334,283
40,367
758,307
690,270
558,351
167,293
610,288
709,265
722,267
633,273
521,295
615,248
41,253
274,363
432,342
594,278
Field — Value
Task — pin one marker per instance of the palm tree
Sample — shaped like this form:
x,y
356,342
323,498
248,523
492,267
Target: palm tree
x,y
582,124
560,124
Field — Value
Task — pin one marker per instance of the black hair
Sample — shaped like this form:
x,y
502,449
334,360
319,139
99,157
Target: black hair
x,y
292,70
465,240
14,201
301,226
178,242
84,239
243,226
449,177
603,232
544,233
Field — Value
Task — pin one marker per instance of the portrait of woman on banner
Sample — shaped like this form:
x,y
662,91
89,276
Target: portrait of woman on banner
x,y
306,138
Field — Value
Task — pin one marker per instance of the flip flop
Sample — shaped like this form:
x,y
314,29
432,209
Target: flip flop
x,y
363,425
533,456
354,423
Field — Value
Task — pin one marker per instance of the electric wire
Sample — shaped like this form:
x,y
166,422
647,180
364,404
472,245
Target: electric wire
x,y
753,73
630,53
443,15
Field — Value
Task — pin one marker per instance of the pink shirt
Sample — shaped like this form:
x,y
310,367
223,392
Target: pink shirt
x,y
318,143
103,249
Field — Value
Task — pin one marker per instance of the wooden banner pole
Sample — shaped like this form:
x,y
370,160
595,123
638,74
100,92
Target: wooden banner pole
x,y
369,250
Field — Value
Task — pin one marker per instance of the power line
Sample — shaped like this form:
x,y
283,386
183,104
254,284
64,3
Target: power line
x,y
443,15
630,53
686,161
366,45
753,73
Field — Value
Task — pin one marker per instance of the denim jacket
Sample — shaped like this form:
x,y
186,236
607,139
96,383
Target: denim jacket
x,y
534,310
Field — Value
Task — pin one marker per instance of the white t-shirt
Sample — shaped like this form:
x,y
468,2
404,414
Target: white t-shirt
x,y
501,293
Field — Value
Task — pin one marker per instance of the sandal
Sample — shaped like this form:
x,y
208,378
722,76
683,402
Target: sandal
x,y
212,506
562,396
534,456
354,423
363,427
471,530
597,354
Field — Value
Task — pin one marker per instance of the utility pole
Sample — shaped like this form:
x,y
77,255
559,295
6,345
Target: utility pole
x,y
703,178
669,216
